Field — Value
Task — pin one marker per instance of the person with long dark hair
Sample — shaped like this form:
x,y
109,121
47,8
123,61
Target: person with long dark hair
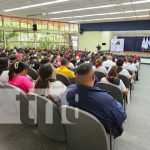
x,y
120,69
111,78
18,78
4,70
47,85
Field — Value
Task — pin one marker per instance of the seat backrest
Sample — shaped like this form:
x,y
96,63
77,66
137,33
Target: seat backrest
x,y
113,91
49,121
84,132
32,73
125,80
99,75
16,103
65,80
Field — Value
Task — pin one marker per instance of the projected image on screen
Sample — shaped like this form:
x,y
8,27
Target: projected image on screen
x,y
117,45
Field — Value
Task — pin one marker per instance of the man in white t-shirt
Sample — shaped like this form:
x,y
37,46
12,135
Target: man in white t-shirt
x,y
108,63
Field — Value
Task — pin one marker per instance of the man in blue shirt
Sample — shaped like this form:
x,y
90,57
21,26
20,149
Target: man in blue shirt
x,y
96,101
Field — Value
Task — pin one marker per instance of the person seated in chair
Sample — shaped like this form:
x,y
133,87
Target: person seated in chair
x,y
47,85
95,101
111,78
99,66
63,69
18,78
122,71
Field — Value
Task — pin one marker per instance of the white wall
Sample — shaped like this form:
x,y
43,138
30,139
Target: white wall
x,y
90,40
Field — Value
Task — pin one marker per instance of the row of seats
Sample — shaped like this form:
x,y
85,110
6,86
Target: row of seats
x,y
84,132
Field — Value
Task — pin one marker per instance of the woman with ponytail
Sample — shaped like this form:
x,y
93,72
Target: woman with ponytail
x,y
111,78
47,85
18,78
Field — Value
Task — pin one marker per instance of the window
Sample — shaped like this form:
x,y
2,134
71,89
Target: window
x,y
10,36
24,23
24,36
51,38
1,22
30,23
17,36
56,38
41,37
7,22
44,25
31,37
76,28
15,22
66,27
39,24
1,35
62,26
50,25
56,26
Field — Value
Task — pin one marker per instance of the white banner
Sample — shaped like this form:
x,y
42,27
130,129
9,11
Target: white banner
x,y
117,45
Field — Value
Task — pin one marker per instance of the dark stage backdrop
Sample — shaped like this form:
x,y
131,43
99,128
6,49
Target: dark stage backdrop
x,y
132,43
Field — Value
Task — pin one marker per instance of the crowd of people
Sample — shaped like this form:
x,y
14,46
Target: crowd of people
x,y
14,65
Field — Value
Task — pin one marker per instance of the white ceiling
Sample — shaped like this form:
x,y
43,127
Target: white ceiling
x,y
118,7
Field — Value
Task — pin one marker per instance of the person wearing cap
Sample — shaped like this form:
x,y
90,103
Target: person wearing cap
x,y
18,78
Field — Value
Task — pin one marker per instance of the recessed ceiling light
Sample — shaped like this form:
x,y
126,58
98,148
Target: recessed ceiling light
x,y
102,14
81,9
36,5
136,2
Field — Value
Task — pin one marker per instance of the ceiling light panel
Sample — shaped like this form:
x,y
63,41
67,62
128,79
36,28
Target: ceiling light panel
x,y
36,5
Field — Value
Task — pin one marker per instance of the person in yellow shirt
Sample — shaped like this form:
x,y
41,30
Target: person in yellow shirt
x,y
63,69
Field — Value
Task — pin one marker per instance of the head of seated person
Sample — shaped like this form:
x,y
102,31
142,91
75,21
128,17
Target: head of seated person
x,y
99,62
130,60
47,85
64,62
18,76
3,64
112,75
119,64
85,75
45,60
